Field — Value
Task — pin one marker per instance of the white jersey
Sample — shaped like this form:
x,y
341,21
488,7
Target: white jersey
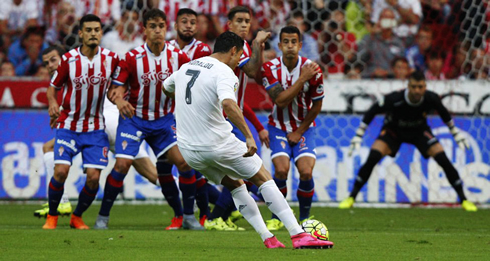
x,y
200,87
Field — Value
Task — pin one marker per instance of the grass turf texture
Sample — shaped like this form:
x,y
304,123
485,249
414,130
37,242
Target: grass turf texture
x,y
137,233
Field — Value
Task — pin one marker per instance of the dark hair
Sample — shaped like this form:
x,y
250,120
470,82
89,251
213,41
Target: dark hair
x,y
152,14
398,59
436,55
226,41
418,75
55,47
184,11
89,18
290,30
34,30
237,9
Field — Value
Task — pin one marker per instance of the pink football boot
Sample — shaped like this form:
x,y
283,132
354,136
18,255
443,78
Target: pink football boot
x,y
305,240
272,242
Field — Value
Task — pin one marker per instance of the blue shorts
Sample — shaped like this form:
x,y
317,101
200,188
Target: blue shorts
x,y
160,134
280,146
93,145
237,132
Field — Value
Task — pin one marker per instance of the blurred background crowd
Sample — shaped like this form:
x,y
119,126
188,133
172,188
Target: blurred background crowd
x,y
356,39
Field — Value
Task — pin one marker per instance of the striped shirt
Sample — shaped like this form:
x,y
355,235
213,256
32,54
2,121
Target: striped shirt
x,y
145,72
194,50
172,7
290,118
242,77
85,84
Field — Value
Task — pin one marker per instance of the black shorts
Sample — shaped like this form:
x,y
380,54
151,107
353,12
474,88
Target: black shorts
x,y
423,139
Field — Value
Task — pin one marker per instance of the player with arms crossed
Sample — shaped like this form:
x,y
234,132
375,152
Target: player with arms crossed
x,y
295,85
204,88
148,115
84,74
406,122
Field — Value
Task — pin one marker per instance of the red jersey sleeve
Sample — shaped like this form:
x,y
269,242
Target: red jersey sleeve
x,y
114,66
268,80
316,86
202,51
61,75
183,58
122,71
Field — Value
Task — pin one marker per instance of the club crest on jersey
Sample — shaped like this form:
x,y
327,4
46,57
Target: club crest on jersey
x,y
265,82
124,144
174,129
319,90
150,76
235,88
283,144
116,72
61,150
105,152
84,79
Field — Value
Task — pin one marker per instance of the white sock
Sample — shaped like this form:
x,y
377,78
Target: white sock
x,y
279,206
48,159
247,206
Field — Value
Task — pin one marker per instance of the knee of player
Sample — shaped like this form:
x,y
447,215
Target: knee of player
x,y
60,174
281,173
123,165
305,174
183,166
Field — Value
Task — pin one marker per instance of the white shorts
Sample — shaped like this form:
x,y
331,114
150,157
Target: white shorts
x,y
227,160
111,117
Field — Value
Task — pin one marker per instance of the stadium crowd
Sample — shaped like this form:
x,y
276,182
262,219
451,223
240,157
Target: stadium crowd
x,y
447,39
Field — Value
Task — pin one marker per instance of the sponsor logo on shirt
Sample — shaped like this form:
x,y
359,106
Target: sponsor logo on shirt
x,y
150,76
88,81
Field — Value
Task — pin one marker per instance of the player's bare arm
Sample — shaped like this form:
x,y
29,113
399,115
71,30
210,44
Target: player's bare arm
x,y
236,117
252,67
283,98
167,93
295,136
54,107
116,96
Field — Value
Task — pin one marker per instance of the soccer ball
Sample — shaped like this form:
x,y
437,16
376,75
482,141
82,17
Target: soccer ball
x,y
316,228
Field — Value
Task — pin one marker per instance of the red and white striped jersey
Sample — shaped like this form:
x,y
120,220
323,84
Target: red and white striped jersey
x,y
242,77
145,73
171,8
290,118
85,84
194,50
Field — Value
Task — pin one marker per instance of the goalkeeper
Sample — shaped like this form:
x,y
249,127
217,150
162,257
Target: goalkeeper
x,y
405,121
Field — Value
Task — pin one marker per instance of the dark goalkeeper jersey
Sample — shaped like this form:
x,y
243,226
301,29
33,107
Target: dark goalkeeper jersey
x,y
403,115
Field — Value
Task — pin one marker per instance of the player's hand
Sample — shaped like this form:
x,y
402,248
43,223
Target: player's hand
x,y
262,37
355,143
264,137
293,138
308,71
459,138
54,113
251,147
125,108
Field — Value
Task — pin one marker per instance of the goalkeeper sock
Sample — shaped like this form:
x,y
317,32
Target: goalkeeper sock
x,y
451,174
365,171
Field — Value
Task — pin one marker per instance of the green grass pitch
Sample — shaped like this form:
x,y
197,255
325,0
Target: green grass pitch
x,y
137,233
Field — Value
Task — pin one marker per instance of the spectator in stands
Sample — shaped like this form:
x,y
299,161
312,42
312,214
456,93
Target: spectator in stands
x,y
310,45
42,74
408,14
66,30
337,47
125,36
206,32
15,16
25,53
7,69
478,63
400,68
357,16
353,72
109,11
272,14
417,53
435,62
378,50
453,66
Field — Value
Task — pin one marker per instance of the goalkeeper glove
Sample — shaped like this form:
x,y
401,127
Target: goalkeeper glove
x,y
459,138
355,143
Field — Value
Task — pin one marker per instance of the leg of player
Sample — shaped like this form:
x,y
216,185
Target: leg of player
x,y
282,164
280,207
55,192
202,199
379,149
437,152
147,169
64,208
306,187
187,181
86,197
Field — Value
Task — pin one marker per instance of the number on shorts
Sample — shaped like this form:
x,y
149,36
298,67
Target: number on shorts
x,y
194,74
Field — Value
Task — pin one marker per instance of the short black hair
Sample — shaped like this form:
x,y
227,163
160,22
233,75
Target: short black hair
x,y
34,30
290,30
226,41
183,11
418,75
152,14
398,59
89,18
238,9
55,47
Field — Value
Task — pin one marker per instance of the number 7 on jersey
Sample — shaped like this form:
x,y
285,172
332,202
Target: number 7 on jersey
x,y
194,74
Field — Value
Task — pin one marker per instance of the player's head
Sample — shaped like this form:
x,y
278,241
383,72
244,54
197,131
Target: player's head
x,y
239,20
290,42
186,24
155,23
90,30
231,44
52,57
416,86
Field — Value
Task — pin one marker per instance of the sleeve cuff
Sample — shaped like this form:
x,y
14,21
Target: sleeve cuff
x,y
271,85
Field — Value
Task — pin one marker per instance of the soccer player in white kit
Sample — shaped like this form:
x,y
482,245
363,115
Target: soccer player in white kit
x,y
203,88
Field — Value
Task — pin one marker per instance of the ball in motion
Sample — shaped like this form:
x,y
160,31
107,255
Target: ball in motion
x,y
316,228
